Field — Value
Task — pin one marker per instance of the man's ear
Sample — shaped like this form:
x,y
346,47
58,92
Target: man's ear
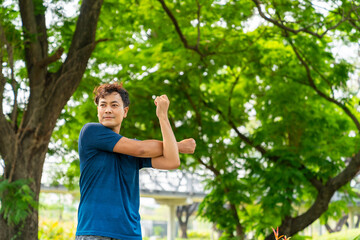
x,y
126,109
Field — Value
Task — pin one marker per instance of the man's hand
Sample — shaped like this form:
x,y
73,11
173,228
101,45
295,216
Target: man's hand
x,y
170,158
187,146
162,105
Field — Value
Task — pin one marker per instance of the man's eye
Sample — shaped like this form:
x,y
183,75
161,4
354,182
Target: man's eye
x,y
115,105
102,105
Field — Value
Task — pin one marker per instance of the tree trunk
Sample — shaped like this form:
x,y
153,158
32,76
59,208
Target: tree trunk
x,y
338,226
23,148
240,234
186,211
183,227
29,164
328,228
357,221
27,229
292,225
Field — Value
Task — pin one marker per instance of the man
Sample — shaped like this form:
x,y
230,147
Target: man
x,y
110,163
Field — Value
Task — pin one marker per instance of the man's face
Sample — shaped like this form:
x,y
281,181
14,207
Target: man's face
x,y
111,111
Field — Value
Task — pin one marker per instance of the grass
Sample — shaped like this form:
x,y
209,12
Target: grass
x,y
349,234
50,229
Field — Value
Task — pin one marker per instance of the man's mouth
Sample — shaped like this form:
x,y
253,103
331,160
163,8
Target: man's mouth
x,y
108,117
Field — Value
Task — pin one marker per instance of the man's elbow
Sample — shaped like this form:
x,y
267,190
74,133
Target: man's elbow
x,y
175,164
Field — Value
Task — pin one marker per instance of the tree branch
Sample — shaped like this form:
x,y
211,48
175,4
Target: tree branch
x,y
293,225
233,126
352,23
178,30
64,82
36,49
354,9
348,173
5,130
4,42
233,209
14,112
328,228
102,40
239,228
324,79
210,167
264,152
198,115
83,42
2,87
237,78
53,58
240,51
320,93
198,25
35,37
10,53
305,29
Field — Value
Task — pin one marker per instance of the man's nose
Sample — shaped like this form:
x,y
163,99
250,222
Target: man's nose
x,y
108,109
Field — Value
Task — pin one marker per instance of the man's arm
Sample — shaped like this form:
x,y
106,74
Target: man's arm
x,y
150,148
170,158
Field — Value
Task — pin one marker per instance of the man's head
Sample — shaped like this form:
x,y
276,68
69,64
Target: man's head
x,y
112,102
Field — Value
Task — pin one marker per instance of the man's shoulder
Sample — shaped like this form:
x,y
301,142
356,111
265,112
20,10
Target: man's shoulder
x,y
89,128
92,126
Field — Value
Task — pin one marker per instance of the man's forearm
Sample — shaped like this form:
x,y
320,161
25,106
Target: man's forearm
x,y
154,148
170,146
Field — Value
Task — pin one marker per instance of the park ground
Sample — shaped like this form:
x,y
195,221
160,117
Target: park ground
x,y
58,222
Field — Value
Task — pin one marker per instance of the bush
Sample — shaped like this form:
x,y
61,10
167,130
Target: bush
x,y
200,235
54,230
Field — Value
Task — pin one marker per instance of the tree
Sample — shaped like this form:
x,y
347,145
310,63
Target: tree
x,y
270,104
339,225
50,82
302,139
183,214
273,109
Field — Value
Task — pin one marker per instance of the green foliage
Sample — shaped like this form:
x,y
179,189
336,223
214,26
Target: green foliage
x,y
335,211
236,85
54,230
199,235
298,237
158,230
17,200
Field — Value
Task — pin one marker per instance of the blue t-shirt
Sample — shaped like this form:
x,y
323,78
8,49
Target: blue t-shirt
x,y
109,186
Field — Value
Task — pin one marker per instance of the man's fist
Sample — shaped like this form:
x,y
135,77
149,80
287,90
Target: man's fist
x,y
162,105
187,146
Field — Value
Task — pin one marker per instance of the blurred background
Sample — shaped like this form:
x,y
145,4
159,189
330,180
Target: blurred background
x,y
269,89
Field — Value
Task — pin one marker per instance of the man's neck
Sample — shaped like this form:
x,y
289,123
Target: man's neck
x,y
116,129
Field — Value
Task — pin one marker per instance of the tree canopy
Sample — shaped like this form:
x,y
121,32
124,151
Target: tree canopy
x,y
273,107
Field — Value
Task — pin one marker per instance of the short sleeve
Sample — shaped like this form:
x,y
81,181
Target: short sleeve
x,y
97,136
